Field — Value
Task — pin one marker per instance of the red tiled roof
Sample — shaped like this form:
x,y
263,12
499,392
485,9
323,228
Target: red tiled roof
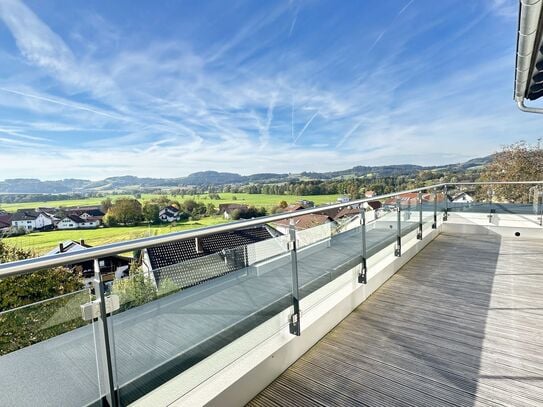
x,y
374,204
306,221
348,211
293,208
412,198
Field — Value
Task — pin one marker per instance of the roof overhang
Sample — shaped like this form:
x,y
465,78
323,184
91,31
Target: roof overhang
x,y
529,62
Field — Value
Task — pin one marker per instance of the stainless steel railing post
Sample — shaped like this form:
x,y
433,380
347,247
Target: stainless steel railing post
x,y
434,225
446,198
294,323
492,210
398,250
103,343
419,234
362,277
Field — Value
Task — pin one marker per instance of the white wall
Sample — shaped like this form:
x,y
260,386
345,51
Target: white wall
x,y
27,224
42,221
67,223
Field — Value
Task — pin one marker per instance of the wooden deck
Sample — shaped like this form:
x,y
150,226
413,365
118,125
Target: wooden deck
x,y
460,324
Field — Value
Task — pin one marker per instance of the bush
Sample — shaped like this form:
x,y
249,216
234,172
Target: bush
x,y
135,290
24,322
139,289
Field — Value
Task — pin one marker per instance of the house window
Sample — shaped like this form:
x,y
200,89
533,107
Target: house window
x,y
102,263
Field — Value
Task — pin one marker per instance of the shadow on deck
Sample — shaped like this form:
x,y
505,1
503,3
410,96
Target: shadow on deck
x,y
460,324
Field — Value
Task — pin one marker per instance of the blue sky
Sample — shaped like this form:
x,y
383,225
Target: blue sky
x,y
163,89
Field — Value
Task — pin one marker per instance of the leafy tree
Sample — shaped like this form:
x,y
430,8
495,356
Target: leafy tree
x,y
151,212
283,204
251,212
125,211
211,209
106,205
38,286
23,323
516,162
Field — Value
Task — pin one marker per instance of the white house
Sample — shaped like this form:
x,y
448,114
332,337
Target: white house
x,y
31,220
169,214
111,267
75,222
463,197
343,199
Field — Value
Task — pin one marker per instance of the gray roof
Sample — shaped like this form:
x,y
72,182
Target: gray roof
x,y
75,218
25,215
218,254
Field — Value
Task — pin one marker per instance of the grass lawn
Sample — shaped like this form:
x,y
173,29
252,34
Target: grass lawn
x,y
42,242
258,200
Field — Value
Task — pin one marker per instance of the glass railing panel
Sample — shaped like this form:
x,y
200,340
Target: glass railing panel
x,y
315,235
335,248
410,214
383,231
47,351
189,310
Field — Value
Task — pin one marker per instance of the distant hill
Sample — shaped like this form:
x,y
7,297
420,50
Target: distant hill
x,y
35,186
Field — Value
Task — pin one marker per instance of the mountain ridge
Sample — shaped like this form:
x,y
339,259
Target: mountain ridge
x,y
216,178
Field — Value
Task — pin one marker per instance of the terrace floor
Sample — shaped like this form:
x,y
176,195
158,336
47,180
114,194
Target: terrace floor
x,y
460,324
156,341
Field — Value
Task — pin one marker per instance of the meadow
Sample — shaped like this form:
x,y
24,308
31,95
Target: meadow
x,y
257,200
42,242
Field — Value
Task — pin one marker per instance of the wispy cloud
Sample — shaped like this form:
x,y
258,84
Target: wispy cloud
x,y
71,105
305,127
390,25
171,101
505,8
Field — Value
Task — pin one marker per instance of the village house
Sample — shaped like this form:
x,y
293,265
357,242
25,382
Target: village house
x,y
92,213
306,203
188,262
31,220
227,209
293,207
77,222
5,222
111,267
412,199
169,214
302,222
463,197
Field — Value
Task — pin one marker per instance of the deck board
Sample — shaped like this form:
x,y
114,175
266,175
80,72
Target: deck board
x,y
460,324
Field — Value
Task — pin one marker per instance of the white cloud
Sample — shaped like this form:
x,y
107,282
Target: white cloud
x,y
165,109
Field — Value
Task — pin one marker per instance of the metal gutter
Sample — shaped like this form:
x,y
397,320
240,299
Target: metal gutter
x,y
527,42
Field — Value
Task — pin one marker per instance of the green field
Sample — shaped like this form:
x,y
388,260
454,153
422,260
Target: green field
x,y
258,200
42,242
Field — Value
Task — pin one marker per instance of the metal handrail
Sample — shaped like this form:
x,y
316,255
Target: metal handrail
x,y
28,266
